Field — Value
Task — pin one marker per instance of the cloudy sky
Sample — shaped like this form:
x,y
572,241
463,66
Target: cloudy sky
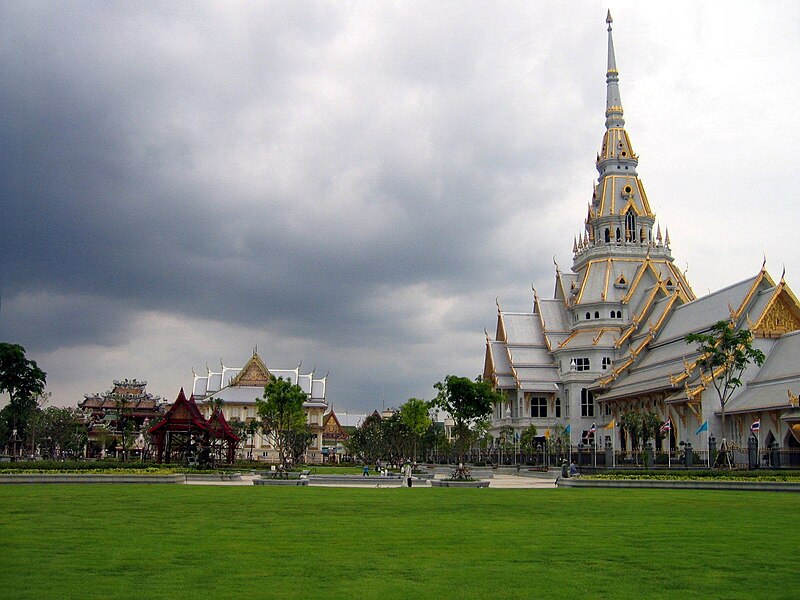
x,y
351,184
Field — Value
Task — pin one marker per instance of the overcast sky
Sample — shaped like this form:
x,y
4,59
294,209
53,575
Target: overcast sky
x,y
352,184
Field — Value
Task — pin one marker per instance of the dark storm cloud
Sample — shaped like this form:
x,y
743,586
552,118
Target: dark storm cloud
x,y
322,171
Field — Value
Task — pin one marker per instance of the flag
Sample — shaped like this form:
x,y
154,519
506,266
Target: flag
x,y
547,434
755,426
592,429
568,429
702,428
667,426
611,425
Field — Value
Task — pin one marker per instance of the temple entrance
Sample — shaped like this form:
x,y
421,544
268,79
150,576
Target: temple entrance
x,y
793,451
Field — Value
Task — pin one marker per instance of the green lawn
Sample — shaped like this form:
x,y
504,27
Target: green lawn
x,y
172,541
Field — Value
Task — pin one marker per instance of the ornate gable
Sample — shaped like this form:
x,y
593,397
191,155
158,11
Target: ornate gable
x,y
781,316
254,373
333,430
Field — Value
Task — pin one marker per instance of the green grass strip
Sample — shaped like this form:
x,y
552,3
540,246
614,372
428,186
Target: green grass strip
x,y
172,541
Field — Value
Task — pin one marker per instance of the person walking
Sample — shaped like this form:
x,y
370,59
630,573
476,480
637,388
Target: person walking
x,y
407,473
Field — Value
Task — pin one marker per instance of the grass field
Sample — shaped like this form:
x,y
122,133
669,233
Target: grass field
x,y
171,541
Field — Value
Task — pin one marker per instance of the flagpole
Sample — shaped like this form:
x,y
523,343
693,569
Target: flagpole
x,y
613,447
758,450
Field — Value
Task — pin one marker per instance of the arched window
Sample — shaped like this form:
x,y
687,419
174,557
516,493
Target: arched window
x,y
607,235
597,314
630,226
588,316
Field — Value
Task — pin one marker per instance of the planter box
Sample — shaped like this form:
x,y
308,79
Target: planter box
x,y
280,481
356,480
213,476
460,484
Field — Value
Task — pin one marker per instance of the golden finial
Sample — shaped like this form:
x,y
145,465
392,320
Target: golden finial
x,y
783,276
732,313
497,301
793,400
666,238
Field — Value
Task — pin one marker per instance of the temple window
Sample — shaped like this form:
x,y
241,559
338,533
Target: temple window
x,y
538,407
606,362
588,316
587,403
607,235
630,226
619,237
597,314
558,408
581,364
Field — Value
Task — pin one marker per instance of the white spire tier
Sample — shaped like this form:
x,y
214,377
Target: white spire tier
x,y
620,252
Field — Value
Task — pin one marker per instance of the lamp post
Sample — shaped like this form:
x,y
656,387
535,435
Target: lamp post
x,y
14,439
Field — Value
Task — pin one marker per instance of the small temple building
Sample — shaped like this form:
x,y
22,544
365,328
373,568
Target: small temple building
x,y
611,340
237,388
102,411
183,435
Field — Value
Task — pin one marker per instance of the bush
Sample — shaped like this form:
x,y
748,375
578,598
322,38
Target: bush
x,y
755,475
43,466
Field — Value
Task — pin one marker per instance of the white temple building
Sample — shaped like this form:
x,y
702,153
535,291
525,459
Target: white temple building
x,y
612,338
239,387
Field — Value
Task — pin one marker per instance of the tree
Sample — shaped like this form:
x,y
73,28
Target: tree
x,y
725,352
505,437
467,402
415,414
282,415
558,442
366,441
434,442
24,381
397,439
298,441
527,440
125,423
641,427
241,429
62,432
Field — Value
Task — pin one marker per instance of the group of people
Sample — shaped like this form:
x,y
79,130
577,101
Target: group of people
x,y
406,471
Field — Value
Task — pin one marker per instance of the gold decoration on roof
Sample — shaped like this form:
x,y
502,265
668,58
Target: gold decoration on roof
x,y
793,400
777,320
255,372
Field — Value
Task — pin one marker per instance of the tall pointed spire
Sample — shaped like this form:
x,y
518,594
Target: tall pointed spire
x,y
613,100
